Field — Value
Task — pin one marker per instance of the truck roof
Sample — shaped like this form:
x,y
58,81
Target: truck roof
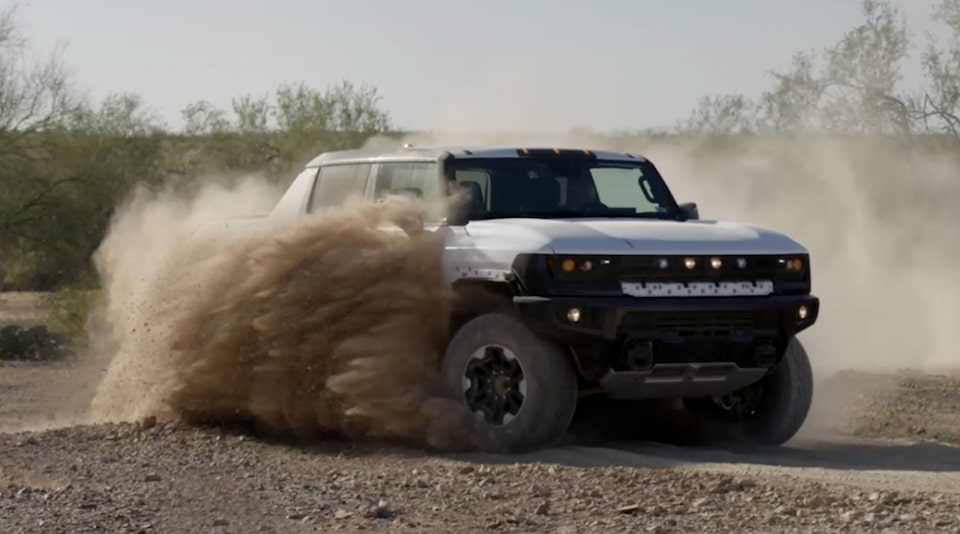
x,y
410,152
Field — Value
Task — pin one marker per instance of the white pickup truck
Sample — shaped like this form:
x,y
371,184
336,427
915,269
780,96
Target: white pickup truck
x,y
606,284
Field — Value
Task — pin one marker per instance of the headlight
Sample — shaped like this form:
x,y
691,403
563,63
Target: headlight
x,y
568,265
793,265
578,265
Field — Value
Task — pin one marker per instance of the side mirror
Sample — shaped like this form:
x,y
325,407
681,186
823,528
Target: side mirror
x,y
460,204
689,211
458,214
412,226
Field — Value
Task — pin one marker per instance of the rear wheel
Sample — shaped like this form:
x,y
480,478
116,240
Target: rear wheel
x,y
523,389
771,411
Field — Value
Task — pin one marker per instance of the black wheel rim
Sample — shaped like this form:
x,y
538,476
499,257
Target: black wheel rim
x,y
494,384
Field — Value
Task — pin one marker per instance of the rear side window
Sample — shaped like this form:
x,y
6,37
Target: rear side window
x,y
336,182
482,179
420,179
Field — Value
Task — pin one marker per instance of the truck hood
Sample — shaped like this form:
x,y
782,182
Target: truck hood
x,y
638,236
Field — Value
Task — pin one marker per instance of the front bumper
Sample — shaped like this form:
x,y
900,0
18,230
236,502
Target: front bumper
x,y
661,347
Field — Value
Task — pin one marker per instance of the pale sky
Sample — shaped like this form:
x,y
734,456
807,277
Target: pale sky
x,y
536,64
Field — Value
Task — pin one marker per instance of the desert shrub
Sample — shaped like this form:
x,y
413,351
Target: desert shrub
x,y
33,343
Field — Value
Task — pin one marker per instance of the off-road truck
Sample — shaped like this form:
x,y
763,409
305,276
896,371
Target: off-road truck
x,y
604,282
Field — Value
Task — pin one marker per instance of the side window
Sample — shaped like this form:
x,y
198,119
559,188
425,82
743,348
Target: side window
x,y
416,178
479,177
337,182
621,188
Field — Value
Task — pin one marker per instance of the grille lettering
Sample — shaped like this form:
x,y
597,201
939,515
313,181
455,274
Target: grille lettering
x,y
697,289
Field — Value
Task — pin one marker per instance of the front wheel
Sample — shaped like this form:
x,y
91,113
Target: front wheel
x,y
522,388
771,411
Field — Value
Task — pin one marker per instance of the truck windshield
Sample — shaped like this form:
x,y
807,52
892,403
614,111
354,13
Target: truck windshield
x,y
563,188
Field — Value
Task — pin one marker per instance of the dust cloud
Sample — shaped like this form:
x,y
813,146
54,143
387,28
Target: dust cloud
x,y
329,327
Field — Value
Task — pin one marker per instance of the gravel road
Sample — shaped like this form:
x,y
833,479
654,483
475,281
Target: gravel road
x,y
889,466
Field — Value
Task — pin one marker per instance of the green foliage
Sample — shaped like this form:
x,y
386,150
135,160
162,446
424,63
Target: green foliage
x,y
273,135
35,343
65,163
68,311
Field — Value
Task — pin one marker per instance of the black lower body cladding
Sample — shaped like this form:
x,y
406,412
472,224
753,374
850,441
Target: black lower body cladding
x,y
646,336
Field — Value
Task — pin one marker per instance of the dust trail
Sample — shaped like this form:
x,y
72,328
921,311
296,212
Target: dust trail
x,y
332,326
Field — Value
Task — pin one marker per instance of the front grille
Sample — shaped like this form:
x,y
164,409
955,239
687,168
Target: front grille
x,y
695,323
647,268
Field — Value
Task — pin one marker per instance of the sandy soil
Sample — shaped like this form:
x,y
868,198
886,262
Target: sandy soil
x,y
892,467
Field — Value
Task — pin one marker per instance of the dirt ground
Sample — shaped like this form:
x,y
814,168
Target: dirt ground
x,y
881,453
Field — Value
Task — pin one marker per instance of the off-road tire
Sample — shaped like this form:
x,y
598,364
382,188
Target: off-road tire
x,y
787,395
551,381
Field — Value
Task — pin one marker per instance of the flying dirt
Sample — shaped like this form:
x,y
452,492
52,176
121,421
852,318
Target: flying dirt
x,y
331,327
